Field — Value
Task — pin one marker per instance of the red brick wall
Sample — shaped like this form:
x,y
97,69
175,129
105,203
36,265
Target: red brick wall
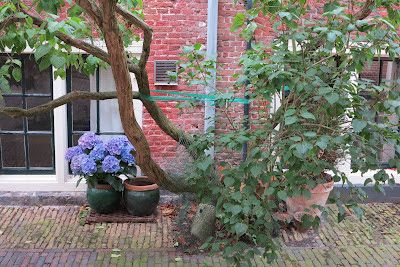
x,y
180,23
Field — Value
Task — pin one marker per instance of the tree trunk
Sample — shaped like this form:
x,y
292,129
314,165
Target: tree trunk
x,y
123,86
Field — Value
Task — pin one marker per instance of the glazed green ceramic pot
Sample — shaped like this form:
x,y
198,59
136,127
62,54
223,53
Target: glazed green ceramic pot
x,y
103,199
141,196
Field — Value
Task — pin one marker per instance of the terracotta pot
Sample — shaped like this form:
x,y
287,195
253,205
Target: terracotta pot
x,y
297,221
141,196
103,199
319,196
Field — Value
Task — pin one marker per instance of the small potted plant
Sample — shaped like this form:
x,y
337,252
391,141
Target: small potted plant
x,y
101,164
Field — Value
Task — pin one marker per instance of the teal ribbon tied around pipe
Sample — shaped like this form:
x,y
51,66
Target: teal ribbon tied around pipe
x,y
186,96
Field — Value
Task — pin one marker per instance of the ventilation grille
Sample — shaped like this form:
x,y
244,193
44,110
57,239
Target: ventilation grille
x,y
161,67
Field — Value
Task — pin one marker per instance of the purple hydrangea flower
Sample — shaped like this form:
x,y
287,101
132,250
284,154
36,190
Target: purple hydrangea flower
x,y
88,166
114,146
126,155
73,151
83,164
125,140
111,164
99,152
89,140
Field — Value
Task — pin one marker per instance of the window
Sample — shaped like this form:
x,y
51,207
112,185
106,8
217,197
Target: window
x,y
99,117
27,144
383,69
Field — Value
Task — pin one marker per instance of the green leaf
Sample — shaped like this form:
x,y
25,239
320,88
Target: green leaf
x,y
236,209
228,181
367,181
307,115
295,138
57,61
178,259
30,32
331,37
5,85
332,97
256,170
282,195
16,73
187,49
324,90
248,32
310,134
291,119
240,228
42,50
323,142
269,191
358,125
238,22
115,255
359,212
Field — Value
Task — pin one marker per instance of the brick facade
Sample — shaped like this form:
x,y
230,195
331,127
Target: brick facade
x,y
181,23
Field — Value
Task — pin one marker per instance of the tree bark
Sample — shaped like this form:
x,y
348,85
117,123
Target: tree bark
x,y
123,85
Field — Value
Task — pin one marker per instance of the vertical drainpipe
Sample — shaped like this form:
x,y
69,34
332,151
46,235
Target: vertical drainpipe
x,y
246,109
212,30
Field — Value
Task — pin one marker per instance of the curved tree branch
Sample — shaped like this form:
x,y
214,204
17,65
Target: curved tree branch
x,y
92,9
147,31
77,43
143,81
46,107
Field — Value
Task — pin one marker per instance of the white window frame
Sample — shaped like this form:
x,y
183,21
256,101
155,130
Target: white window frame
x,y
62,181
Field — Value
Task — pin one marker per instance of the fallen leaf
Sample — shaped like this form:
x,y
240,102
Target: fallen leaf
x,y
181,240
116,249
28,241
178,259
115,255
99,227
176,244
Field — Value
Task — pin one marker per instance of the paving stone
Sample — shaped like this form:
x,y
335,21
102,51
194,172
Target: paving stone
x,y
52,236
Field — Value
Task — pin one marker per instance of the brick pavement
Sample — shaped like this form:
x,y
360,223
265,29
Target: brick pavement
x,y
52,236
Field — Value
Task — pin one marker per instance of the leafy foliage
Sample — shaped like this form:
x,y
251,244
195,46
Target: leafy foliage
x,y
328,116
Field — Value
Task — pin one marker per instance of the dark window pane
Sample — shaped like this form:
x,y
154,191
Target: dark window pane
x,y
8,123
80,108
15,86
75,138
81,115
40,151
40,122
79,81
36,82
12,150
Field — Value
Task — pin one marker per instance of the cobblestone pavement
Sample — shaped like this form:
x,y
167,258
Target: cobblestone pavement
x,y
52,236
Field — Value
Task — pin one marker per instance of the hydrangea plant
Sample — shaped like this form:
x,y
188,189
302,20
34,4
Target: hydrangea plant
x,y
102,162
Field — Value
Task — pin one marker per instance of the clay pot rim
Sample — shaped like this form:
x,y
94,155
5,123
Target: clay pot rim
x,y
321,188
131,187
101,186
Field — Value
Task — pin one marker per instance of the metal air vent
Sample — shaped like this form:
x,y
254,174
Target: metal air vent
x,y
161,67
